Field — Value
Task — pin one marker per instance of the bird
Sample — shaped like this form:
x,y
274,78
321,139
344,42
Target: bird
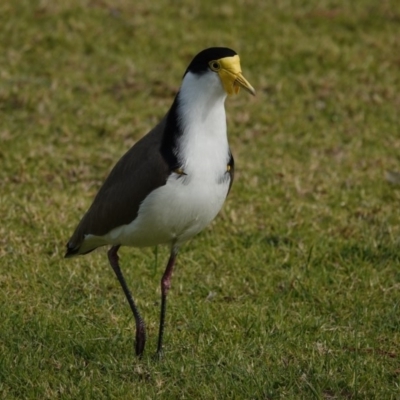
x,y
172,182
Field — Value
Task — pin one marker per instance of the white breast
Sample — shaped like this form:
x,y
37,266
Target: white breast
x,y
175,212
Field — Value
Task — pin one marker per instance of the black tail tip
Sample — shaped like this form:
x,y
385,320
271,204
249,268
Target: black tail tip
x,y
71,251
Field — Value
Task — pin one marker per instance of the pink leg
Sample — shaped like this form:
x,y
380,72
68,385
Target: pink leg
x,y
165,286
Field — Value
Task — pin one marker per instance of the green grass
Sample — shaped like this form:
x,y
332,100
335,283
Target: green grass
x,y
294,291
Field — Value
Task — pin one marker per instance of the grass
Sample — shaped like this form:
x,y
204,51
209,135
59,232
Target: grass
x,y
293,292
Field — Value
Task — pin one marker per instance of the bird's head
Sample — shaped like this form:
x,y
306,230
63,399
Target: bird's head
x,y
224,62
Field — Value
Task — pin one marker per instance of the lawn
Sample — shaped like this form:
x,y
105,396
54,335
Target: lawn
x,y
293,292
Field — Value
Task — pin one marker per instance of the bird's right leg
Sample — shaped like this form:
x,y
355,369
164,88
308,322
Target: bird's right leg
x,y
140,326
165,286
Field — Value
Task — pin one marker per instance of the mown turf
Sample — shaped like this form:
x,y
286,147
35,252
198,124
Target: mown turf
x,y
294,291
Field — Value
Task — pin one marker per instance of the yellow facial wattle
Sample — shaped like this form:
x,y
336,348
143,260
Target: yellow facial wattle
x,y
230,73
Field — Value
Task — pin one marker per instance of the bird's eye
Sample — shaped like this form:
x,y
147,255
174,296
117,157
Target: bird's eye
x,y
214,65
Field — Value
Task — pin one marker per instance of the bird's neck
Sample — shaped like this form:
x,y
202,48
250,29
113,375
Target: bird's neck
x,y
196,125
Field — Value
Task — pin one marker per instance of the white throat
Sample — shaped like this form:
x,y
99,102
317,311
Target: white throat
x,y
203,146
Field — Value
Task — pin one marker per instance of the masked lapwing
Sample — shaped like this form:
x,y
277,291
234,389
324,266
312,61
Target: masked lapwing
x,y
173,182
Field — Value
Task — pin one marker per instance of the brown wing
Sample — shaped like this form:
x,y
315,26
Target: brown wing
x,y
141,170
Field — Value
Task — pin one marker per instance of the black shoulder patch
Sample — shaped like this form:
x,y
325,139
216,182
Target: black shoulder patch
x,y
172,133
231,170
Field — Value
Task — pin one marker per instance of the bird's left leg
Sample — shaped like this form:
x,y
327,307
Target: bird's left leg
x,y
140,326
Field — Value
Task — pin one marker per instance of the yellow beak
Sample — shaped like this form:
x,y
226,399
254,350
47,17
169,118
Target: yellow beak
x,y
231,76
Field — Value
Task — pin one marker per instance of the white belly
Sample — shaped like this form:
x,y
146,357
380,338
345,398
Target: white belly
x,y
173,213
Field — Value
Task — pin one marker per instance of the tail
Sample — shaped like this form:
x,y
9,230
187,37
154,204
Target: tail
x,y
72,250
